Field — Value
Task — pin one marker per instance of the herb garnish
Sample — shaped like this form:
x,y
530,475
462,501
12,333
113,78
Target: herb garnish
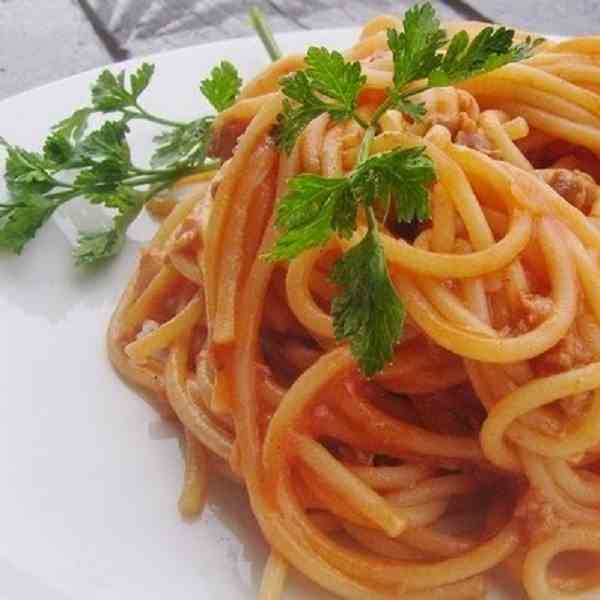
x,y
98,165
368,312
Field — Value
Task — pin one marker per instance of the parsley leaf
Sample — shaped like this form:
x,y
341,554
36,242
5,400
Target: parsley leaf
x,y
103,177
368,312
415,110
97,246
74,126
335,79
328,85
21,219
140,80
308,214
105,156
110,93
107,143
402,176
222,87
316,207
490,49
293,119
188,144
58,149
26,171
415,49
121,198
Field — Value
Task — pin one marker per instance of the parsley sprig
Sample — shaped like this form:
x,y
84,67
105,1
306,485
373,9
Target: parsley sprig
x,y
316,207
423,53
368,312
328,85
264,32
98,164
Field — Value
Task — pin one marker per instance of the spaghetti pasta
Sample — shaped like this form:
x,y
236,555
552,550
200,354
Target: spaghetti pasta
x,y
490,407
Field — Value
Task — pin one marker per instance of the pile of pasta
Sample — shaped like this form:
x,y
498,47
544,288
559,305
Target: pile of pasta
x,y
476,452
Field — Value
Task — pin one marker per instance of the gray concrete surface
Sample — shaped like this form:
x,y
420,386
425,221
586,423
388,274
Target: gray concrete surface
x,y
44,40
563,17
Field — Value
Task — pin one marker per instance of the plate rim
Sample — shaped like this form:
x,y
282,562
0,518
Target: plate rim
x,y
282,37
134,60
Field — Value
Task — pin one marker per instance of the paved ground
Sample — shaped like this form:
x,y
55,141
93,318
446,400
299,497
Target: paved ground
x,y
43,40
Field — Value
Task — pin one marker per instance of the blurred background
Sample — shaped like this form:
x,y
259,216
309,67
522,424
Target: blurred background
x,y
44,40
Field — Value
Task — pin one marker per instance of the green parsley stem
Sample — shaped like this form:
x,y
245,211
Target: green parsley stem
x,y
414,92
360,121
383,107
143,177
64,196
389,102
363,154
206,166
61,184
159,187
365,145
264,32
143,114
57,183
371,220
148,179
143,198
139,171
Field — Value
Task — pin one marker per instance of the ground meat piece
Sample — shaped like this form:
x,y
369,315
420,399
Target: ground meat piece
x,y
456,411
477,140
458,112
226,137
569,353
150,263
576,187
447,106
575,406
537,517
537,309
187,234
587,162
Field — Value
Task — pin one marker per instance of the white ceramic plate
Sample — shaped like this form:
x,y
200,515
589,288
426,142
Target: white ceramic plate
x,y
89,474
